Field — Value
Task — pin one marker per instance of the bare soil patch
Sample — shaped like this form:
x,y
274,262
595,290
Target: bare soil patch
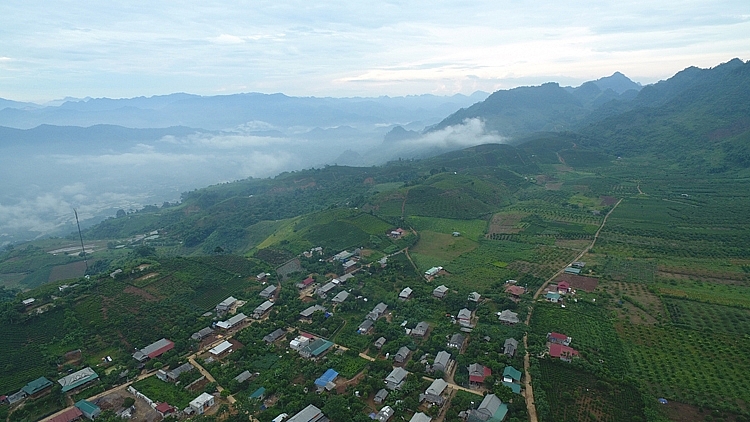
x,y
67,271
147,276
505,224
553,186
608,200
579,282
141,293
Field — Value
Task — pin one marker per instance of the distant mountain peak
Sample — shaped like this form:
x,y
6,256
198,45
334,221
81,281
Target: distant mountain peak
x,y
617,82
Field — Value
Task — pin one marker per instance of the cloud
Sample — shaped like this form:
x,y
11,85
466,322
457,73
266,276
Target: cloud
x,y
471,132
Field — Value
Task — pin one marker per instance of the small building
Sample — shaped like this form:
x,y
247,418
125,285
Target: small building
x,y
578,264
563,287
515,290
456,341
420,330
37,388
434,392
420,417
28,302
562,352
405,294
456,234
379,343
516,388
402,354
478,372
572,270
154,350
243,376
432,272
380,396
174,374
232,322
440,291
306,282
77,379
559,339
309,414
508,317
340,297
222,349
262,309
68,415
344,278
552,297
275,335
327,380
300,341
268,292
343,256
365,327
165,409
308,313
89,410
396,378
262,276
377,311
202,333
474,297
16,397
349,266
385,414
202,402
258,394
442,360
511,374
464,317
315,349
510,346
225,305
492,409
325,289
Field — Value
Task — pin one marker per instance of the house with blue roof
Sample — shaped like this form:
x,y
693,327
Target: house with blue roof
x,y
326,381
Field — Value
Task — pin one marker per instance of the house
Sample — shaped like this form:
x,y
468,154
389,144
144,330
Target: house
x,y
572,270
511,374
563,287
456,234
464,317
77,379
325,289
165,409
474,297
89,410
37,388
340,297
268,291
309,414
28,302
259,393
402,354
365,327
405,294
377,311
508,317
433,392
564,353
384,414
343,256
440,291
201,334
153,350
396,378
492,409
379,343
349,266
300,341
232,322
327,380
272,337
262,276
202,402
442,360
68,415
420,330
510,346
380,396
552,297
478,372
262,309
515,291
432,272
578,264
224,348
456,341
174,374
243,376
420,417
307,313
16,397
559,339
306,282
516,388
344,277
225,305
315,349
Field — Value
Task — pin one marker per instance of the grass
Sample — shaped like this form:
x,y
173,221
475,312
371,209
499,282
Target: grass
x,y
160,391
471,229
434,248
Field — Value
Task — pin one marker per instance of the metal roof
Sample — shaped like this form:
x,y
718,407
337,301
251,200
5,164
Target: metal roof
x,y
308,414
77,379
221,348
37,385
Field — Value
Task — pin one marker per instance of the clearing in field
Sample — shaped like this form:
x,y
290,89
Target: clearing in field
x,y
579,282
442,246
67,271
506,224
471,229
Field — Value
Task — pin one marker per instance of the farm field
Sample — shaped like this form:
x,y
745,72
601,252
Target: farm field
x,y
438,249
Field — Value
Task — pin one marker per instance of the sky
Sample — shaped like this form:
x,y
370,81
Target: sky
x,y
50,50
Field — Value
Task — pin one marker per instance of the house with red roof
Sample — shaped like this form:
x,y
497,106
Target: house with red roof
x,y
69,415
306,282
564,353
563,287
478,372
165,409
558,338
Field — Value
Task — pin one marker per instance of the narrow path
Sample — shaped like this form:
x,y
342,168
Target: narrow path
x,y
457,387
209,377
638,186
529,392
